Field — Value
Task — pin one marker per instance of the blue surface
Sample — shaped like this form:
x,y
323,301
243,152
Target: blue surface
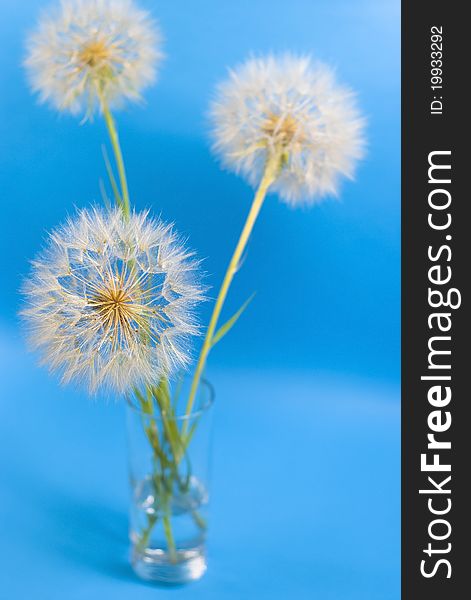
x,y
305,494
306,474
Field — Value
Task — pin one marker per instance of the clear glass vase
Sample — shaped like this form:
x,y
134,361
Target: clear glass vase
x,y
169,460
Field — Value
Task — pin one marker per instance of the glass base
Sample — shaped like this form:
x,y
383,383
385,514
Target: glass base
x,y
155,565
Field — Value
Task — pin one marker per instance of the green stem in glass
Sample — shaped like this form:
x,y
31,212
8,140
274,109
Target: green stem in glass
x,y
146,533
172,551
166,466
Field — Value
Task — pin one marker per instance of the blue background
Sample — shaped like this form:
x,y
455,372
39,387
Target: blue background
x,y
306,471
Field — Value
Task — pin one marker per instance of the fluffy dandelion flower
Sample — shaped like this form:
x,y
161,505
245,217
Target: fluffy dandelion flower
x,y
92,51
293,108
110,300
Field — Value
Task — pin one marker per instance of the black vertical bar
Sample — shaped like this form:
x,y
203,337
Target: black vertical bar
x,y
430,254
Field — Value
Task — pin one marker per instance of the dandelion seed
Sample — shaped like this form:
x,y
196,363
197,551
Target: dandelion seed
x,y
92,51
111,301
295,108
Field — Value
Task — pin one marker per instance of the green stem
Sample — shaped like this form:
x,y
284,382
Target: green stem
x,y
172,551
114,138
153,437
163,483
146,533
199,520
162,396
269,176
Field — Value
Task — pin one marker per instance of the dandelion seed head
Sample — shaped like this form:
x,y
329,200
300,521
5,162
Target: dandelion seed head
x,y
293,107
89,51
111,301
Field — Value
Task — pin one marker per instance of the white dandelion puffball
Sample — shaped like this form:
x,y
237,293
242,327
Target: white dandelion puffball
x,y
89,51
295,108
111,300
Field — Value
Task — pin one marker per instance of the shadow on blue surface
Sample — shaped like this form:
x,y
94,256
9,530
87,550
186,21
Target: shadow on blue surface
x,y
74,528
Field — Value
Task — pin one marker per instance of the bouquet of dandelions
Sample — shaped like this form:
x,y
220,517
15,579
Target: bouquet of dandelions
x,y
111,300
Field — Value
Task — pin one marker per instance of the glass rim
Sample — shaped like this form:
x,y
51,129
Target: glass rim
x,y
195,412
